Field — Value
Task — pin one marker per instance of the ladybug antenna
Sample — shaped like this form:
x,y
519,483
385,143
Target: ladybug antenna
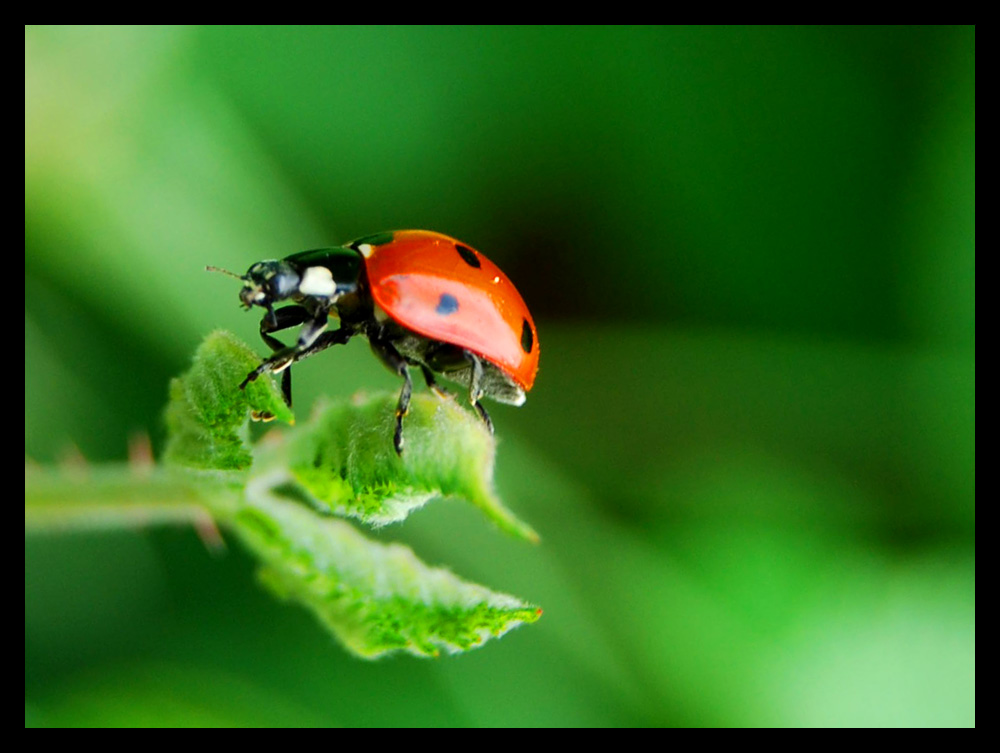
x,y
225,272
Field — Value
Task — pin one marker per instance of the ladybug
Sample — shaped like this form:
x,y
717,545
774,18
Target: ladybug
x,y
421,298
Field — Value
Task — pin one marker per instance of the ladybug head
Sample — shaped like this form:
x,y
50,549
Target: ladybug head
x,y
268,282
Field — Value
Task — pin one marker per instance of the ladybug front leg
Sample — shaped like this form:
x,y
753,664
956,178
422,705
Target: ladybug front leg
x,y
476,388
388,354
311,340
327,340
275,321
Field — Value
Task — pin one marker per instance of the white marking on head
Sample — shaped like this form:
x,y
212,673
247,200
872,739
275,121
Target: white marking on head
x,y
496,279
366,249
318,281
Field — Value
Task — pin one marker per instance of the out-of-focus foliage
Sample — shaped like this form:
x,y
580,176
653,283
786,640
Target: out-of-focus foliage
x,y
750,253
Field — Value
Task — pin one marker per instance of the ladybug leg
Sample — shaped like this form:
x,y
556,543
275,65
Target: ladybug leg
x,y
327,340
485,416
312,340
388,354
310,334
275,321
290,316
432,384
476,388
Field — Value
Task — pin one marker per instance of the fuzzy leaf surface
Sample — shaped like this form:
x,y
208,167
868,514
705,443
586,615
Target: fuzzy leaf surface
x,y
208,414
344,459
375,598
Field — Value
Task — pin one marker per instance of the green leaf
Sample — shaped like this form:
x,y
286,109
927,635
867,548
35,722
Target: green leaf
x,y
375,598
208,414
344,459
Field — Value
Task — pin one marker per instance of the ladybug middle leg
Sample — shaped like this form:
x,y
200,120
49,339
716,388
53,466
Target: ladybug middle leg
x,y
432,384
391,357
476,388
445,358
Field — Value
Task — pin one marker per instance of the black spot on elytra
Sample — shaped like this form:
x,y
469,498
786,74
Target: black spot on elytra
x,y
468,255
527,337
447,304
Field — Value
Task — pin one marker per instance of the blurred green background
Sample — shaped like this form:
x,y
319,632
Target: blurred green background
x,y
750,253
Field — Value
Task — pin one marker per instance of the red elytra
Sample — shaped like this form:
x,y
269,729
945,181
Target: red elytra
x,y
445,290
420,298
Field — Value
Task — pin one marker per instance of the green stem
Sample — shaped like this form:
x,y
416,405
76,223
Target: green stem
x,y
121,496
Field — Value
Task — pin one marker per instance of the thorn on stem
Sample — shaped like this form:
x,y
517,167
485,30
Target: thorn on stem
x,y
72,461
140,453
208,532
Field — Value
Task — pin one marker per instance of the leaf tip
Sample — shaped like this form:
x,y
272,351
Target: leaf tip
x,y
208,412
